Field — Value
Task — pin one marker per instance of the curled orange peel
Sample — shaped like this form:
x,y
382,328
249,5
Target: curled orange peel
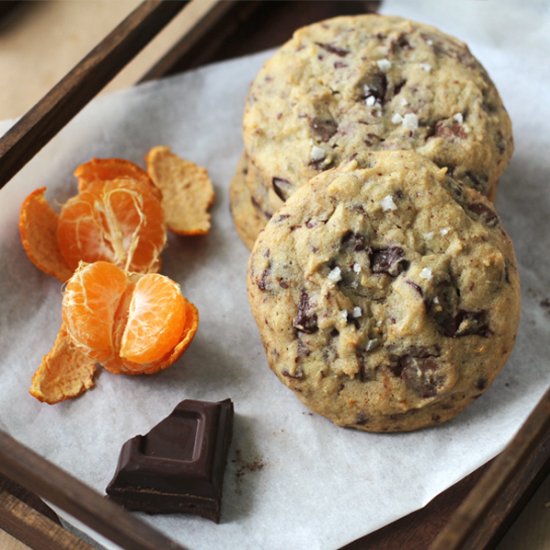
x,y
187,192
38,231
65,372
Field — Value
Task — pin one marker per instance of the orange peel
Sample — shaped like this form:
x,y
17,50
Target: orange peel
x,y
38,231
65,372
187,192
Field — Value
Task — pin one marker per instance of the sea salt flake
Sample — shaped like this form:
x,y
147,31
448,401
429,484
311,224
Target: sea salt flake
x,y
410,121
317,153
357,268
384,65
444,231
388,204
430,42
429,235
335,275
403,101
436,300
370,101
426,273
357,312
344,314
458,118
397,118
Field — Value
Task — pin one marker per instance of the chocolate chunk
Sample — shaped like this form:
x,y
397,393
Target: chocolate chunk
x,y
323,128
472,323
331,48
305,320
483,213
282,188
416,287
421,375
451,320
389,260
261,283
418,368
376,86
353,241
478,182
178,467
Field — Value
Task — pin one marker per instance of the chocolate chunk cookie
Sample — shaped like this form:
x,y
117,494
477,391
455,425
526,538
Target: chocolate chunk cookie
x,y
387,297
248,217
350,85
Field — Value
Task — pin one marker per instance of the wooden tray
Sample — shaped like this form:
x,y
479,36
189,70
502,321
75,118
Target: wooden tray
x,y
474,513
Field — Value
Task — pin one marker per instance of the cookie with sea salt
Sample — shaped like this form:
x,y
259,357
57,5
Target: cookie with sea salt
x,y
346,86
386,297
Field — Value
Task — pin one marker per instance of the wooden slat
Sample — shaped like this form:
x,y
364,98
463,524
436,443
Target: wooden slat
x,y
81,84
34,529
514,474
35,473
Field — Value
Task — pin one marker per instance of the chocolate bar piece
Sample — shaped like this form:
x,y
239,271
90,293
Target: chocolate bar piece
x,y
178,466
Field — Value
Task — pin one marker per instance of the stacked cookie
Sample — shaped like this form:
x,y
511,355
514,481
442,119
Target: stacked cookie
x,y
350,85
384,288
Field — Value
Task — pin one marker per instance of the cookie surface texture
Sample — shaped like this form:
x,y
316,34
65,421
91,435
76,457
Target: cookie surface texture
x,y
351,85
386,297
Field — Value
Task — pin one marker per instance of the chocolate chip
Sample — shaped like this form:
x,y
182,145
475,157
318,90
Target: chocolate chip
x,y
478,182
398,86
389,260
442,307
376,86
446,129
262,281
451,320
353,241
481,383
323,128
331,48
421,376
483,213
472,323
339,65
415,286
282,187
361,419
500,143
297,375
305,320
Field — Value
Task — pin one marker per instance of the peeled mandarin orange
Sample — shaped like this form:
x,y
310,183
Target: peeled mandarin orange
x,y
131,323
187,192
120,221
38,228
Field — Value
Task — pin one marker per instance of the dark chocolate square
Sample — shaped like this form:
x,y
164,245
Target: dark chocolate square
x,y
178,466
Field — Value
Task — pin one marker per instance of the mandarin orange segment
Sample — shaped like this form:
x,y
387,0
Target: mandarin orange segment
x,y
38,228
189,331
65,372
120,221
187,192
90,302
96,172
156,318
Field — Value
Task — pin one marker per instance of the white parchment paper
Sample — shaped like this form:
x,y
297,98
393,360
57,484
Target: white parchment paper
x,y
293,479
